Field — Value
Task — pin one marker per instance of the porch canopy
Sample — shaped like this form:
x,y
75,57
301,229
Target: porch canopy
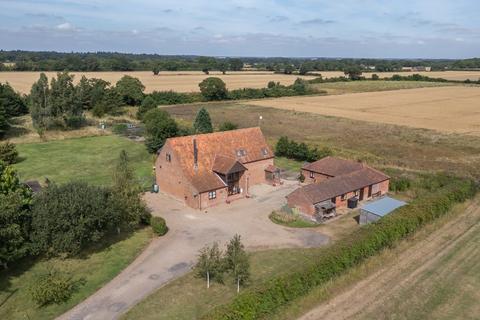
x,y
226,165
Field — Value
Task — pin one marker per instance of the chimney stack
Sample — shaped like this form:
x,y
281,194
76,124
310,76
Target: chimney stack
x,y
195,154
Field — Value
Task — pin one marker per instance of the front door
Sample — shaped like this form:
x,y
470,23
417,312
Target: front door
x,y
361,194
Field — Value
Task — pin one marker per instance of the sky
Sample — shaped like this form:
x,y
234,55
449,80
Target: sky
x,y
286,28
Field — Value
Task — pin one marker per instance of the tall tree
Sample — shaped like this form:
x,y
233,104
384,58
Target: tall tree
x,y
4,123
39,103
213,88
13,103
210,265
203,123
353,72
131,89
236,261
148,104
159,126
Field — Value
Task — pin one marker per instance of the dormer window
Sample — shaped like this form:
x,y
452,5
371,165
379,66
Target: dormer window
x,y
241,153
265,151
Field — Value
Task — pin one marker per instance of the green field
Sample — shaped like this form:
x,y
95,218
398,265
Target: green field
x,y
93,268
377,85
89,159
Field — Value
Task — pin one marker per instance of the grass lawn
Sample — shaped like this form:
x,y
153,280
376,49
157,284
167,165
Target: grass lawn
x,y
94,268
291,220
188,298
89,159
289,164
377,85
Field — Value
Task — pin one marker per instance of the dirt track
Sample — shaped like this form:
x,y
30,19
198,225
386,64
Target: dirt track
x,y
448,109
436,278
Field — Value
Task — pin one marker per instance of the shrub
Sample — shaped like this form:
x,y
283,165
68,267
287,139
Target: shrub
x,y
227,126
172,97
265,299
299,151
158,225
8,153
400,184
52,287
120,128
159,126
75,122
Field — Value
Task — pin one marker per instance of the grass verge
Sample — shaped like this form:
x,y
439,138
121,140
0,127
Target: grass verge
x,y
290,220
93,268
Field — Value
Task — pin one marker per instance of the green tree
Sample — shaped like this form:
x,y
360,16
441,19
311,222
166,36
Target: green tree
x,y
156,70
282,147
9,182
210,264
148,104
203,123
67,218
15,223
236,261
304,69
288,69
159,126
213,88
8,153
39,103
89,92
300,86
4,123
131,89
227,126
353,72
11,101
64,106
235,64
110,103
126,194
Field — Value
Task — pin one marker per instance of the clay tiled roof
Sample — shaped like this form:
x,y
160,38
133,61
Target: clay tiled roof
x,y
242,145
333,166
318,192
272,169
225,165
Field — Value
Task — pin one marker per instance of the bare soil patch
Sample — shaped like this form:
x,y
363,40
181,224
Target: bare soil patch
x,y
447,109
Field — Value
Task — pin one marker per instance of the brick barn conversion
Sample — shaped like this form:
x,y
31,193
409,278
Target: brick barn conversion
x,y
334,183
208,169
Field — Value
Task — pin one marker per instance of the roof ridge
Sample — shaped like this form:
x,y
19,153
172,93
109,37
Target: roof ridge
x,y
213,133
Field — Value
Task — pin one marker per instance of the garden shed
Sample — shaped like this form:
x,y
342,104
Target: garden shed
x,y
377,209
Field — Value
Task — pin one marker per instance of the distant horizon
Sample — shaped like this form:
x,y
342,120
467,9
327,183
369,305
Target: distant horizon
x,y
407,29
233,56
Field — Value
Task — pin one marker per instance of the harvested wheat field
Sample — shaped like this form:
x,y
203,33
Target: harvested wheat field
x,y
448,109
449,75
184,81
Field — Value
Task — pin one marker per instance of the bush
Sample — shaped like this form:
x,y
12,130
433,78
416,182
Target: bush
x,y
158,225
400,184
299,151
172,97
120,128
213,88
8,153
227,126
75,122
67,218
265,299
52,287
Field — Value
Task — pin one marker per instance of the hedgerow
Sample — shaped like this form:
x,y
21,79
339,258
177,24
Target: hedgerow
x,y
332,261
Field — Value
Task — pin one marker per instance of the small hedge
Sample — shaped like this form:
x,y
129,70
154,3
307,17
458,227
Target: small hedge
x,y
158,225
332,261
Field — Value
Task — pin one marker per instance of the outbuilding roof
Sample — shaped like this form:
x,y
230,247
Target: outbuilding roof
x,y
333,167
328,189
218,150
383,206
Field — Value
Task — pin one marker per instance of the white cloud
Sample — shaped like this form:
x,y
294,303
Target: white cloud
x,y
65,26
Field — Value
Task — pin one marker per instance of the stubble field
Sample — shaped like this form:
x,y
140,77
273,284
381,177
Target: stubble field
x,y
446,109
182,81
187,81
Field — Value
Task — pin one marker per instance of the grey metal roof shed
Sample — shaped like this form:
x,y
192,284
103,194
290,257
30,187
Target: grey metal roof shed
x,y
374,210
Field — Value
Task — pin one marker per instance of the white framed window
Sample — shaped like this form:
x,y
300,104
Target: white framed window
x,y
265,151
344,197
312,175
241,153
168,157
357,193
212,195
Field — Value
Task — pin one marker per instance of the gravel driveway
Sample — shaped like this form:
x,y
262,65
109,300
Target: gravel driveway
x,y
173,255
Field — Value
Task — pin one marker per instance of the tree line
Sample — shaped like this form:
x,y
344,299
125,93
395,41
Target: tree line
x,y
114,61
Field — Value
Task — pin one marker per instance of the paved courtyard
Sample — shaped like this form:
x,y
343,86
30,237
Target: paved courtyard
x,y
173,255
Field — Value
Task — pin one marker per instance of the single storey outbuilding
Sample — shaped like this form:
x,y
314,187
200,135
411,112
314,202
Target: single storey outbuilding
x,y
377,209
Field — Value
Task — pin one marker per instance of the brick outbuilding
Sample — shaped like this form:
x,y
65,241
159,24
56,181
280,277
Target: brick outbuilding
x,y
208,169
335,183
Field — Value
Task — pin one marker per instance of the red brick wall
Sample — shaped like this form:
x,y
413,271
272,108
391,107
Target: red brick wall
x,y
256,171
297,200
317,177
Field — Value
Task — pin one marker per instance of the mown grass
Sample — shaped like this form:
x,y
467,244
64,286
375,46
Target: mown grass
x,y
289,164
188,298
92,269
377,85
290,220
89,159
